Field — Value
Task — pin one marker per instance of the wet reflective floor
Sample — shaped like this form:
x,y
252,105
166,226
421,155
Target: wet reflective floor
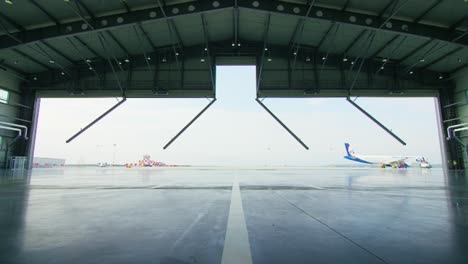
x,y
233,215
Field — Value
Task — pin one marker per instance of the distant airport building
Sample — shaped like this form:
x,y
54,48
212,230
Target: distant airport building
x,y
47,162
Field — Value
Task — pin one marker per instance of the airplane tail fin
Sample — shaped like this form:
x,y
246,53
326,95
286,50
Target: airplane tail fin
x,y
349,150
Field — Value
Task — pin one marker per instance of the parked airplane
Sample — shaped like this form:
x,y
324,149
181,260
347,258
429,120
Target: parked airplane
x,y
385,161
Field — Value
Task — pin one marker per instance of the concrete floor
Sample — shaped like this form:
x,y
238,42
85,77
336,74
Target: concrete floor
x,y
233,215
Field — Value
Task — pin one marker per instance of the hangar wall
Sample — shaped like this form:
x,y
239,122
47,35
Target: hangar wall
x,y
461,96
17,110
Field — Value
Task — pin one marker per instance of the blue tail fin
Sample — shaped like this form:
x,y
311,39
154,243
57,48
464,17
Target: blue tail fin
x,y
349,151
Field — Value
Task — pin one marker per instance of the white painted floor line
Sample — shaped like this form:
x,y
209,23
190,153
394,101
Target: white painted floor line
x,y
236,244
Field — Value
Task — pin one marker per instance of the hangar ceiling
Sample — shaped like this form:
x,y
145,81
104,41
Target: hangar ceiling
x,y
155,48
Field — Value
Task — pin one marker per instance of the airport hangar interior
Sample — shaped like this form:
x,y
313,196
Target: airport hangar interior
x,y
170,49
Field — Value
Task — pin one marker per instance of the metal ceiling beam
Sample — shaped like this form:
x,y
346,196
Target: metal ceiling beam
x,y
459,23
384,10
361,20
264,50
38,6
125,5
450,53
386,45
459,68
346,5
11,22
96,54
208,51
291,9
414,51
354,41
423,14
48,78
148,39
32,59
170,23
88,11
121,46
322,40
57,51
300,24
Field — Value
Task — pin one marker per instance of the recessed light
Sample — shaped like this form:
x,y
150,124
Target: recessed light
x,y
8,2
269,59
149,58
88,60
202,60
345,59
266,49
51,61
422,60
238,44
164,59
295,53
411,72
35,78
206,49
62,73
308,58
233,44
384,60
127,60
352,63
441,77
90,68
459,60
382,67
177,53
324,58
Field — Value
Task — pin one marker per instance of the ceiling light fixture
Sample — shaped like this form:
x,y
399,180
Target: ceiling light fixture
x,y
51,61
127,60
384,60
307,58
88,60
8,2
441,77
411,72
164,59
345,59
269,59
202,60
62,73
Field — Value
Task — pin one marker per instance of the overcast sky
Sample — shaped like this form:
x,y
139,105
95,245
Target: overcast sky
x,y
235,130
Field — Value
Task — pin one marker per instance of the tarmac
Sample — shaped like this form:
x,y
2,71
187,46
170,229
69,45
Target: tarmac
x,y
233,215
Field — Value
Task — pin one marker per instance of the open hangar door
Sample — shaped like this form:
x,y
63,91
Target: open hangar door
x,y
302,49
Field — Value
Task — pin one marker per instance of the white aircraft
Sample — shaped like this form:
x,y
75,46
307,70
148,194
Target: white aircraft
x,y
386,161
